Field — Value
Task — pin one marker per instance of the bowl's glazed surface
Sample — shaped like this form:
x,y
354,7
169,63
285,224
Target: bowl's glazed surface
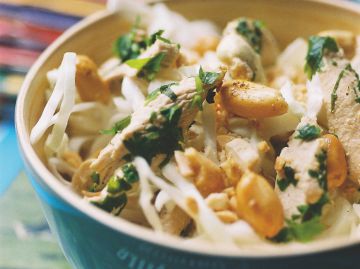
x,y
93,239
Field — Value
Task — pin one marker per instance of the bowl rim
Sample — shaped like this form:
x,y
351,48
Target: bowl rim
x,y
133,230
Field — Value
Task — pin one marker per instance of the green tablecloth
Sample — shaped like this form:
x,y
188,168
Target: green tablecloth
x,y
25,239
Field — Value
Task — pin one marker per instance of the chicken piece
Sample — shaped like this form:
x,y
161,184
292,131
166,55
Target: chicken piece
x,y
297,165
171,55
142,122
242,60
205,174
258,36
341,108
89,84
174,221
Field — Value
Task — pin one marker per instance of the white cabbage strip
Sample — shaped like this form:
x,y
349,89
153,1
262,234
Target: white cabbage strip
x,y
181,192
315,97
63,95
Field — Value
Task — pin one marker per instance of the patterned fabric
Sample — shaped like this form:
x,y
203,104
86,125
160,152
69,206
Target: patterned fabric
x,y
27,27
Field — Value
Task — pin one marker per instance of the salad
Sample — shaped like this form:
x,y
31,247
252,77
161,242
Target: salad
x,y
212,134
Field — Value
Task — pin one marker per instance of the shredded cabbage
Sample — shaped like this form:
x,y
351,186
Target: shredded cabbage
x,y
63,95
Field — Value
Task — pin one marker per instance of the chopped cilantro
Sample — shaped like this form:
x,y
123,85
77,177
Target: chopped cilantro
x,y
308,132
95,177
137,63
152,38
118,126
148,67
321,173
130,174
127,47
317,47
112,203
116,197
289,178
198,97
164,89
303,232
348,68
163,136
251,31
208,78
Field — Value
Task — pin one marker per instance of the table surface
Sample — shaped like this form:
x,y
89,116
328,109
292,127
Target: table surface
x,y
25,239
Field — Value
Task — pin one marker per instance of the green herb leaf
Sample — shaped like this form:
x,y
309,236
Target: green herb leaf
x,y
162,137
251,31
152,38
113,185
118,126
95,177
130,174
208,78
152,67
112,203
303,232
318,45
127,47
137,63
289,178
308,132
164,89
198,97
321,173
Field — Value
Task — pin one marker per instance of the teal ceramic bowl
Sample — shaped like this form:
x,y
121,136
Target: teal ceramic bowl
x,y
93,239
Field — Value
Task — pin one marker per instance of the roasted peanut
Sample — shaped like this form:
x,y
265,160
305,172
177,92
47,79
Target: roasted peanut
x,y
217,201
90,85
227,216
258,204
205,174
206,43
251,100
345,39
336,162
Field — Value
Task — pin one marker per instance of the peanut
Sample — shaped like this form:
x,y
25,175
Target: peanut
x,y
90,86
251,100
336,162
258,204
205,174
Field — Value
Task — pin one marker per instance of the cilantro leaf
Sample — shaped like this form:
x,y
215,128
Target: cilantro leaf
x,y
251,31
126,47
163,136
317,47
164,89
112,202
137,63
303,232
197,99
118,126
308,132
289,178
321,173
148,67
208,78
152,38
130,174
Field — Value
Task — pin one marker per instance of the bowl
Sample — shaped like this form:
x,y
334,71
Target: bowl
x,y
93,239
